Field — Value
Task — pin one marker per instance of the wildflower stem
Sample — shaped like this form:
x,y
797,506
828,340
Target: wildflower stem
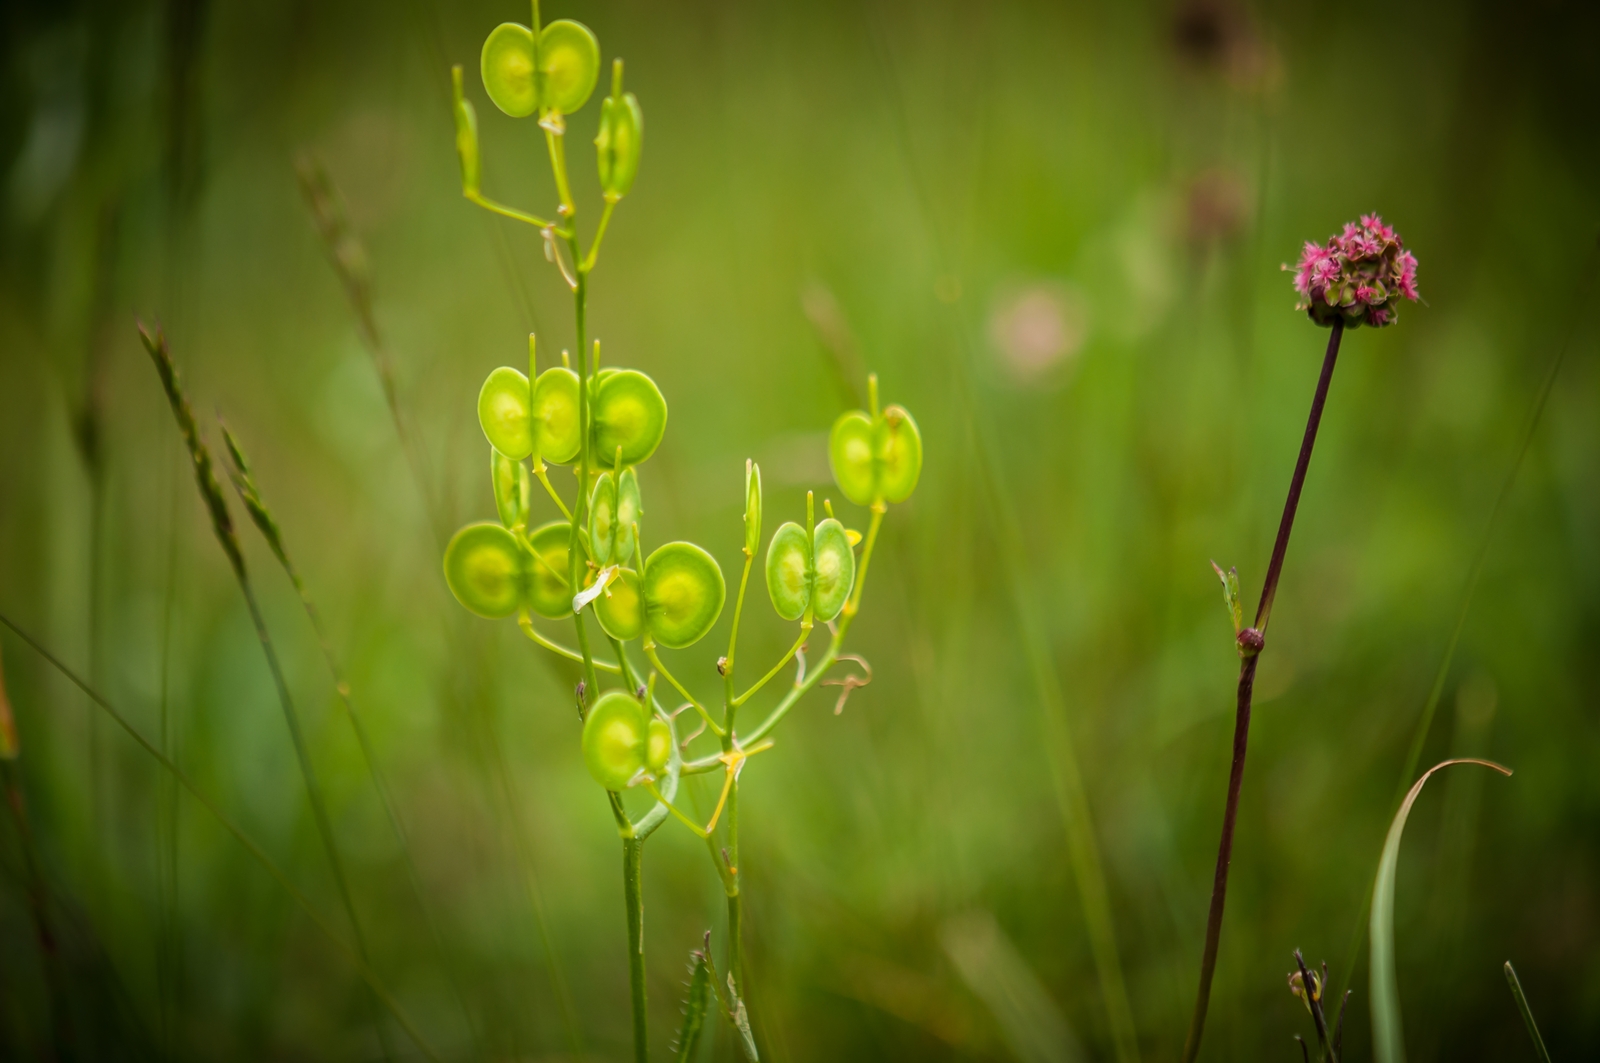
x,y
1249,657
526,623
633,892
655,660
805,633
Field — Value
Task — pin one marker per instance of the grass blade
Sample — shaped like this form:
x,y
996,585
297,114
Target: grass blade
x,y
1388,1041
1527,1013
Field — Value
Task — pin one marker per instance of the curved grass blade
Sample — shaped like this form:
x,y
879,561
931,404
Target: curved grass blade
x,y
1388,1041
694,1009
1527,1013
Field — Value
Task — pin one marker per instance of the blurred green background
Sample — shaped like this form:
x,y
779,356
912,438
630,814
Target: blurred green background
x,y
1055,232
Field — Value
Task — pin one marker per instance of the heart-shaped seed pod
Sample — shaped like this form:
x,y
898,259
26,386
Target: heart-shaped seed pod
x,y
630,508
833,566
752,508
603,520
630,413
616,739
789,570
513,492
850,454
507,64
503,413
683,594
620,139
569,60
658,747
620,607
548,593
898,450
487,570
555,415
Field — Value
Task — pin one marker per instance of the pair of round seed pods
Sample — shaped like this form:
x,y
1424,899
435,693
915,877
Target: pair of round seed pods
x,y
623,741
628,415
554,72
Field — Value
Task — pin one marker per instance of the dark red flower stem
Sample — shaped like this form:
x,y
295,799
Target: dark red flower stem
x,y
1251,641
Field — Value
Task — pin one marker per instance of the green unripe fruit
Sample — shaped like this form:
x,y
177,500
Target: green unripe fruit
x,y
789,570
503,411
603,519
878,458
683,594
619,143
487,570
513,492
555,415
569,60
833,566
548,592
615,739
630,413
630,508
658,747
508,63
620,607
898,450
466,133
850,454
752,508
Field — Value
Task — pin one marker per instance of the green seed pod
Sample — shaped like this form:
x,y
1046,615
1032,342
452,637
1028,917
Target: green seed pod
x,y
620,607
658,747
619,142
466,134
569,59
555,415
616,738
630,413
487,570
850,454
752,508
513,492
898,450
503,413
630,508
507,64
789,570
603,519
833,568
548,591
683,594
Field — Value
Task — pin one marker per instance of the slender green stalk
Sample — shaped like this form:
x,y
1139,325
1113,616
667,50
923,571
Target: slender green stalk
x,y
805,633
1527,1013
633,897
356,959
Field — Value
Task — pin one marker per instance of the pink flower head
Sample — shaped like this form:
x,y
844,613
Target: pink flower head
x,y
1358,276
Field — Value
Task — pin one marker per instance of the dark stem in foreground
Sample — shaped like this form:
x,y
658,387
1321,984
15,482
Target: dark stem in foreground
x,y
1251,640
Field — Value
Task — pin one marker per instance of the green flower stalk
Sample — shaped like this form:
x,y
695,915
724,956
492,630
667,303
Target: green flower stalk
x,y
592,560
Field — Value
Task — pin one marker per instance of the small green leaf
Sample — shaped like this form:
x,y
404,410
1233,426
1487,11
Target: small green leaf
x,y
615,739
1230,594
630,508
487,570
694,1010
620,608
548,593
507,65
850,454
513,493
603,519
1388,1042
630,413
752,508
569,59
898,454
503,413
834,568
789,570
555,415
658,746
683,594
1516,993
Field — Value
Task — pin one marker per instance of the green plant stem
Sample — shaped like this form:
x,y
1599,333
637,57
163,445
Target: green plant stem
x,y
525,622
633,896
655,661
805,633
540,471
728,703
599,234
356,960
1527,1013
319,808
509,212
1249,658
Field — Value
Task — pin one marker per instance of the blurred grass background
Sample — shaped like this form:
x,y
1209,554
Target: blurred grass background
x,y
1055,232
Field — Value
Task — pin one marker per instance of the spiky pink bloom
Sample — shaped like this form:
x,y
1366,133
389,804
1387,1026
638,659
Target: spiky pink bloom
x,y
1359,275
